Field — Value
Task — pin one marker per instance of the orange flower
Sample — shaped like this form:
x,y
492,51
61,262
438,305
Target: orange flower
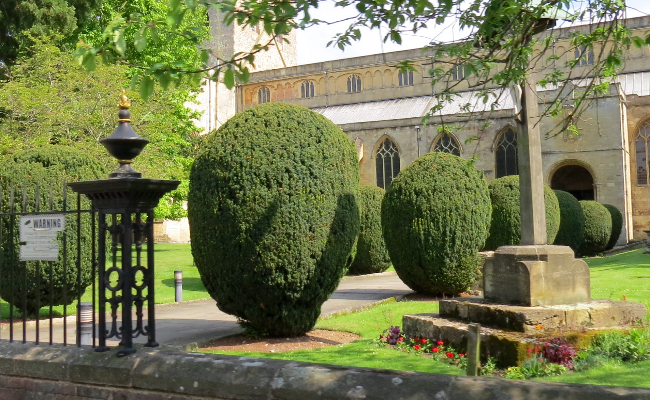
x,y
538,326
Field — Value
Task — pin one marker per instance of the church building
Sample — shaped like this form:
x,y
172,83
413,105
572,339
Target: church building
x,y
381,109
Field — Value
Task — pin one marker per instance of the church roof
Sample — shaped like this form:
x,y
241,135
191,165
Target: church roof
x,y
413,107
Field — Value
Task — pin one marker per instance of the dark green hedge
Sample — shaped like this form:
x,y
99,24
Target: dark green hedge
x,y
78,165
371,254
22,284
572,221
435,218
598,228
505,228
617,225
273,215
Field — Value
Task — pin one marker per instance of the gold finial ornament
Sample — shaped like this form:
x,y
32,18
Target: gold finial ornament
x,y
124,101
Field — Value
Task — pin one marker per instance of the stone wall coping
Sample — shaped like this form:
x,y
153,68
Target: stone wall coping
x,y
228,377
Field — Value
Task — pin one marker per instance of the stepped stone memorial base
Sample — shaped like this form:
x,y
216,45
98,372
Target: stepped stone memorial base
x,y
531,294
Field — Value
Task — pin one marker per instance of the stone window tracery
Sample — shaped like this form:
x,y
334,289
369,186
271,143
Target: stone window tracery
x,y
263,95
458,72
584,56
307,89
354,83
405,78
506,154
641,151
387,163
447,144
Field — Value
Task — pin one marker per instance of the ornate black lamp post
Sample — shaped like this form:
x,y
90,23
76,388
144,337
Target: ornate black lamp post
x,y
121,203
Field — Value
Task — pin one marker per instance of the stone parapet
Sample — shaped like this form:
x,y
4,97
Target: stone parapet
x,y
28,371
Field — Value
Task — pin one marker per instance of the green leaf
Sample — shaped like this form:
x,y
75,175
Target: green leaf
x,y
89,62
229,78
140,40
191,4
146,87
164,78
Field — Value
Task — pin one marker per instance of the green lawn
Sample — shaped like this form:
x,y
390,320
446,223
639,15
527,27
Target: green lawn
x,y
610,374
626,274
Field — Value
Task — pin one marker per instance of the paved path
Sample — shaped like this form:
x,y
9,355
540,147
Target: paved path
x,y
185,323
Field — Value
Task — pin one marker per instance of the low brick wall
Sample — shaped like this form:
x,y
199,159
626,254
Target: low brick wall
x,y
56,372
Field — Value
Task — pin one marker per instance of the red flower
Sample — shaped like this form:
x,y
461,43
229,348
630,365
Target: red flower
x,y
440,343
450,354
416,339
461,355
435,349
416,347
381,336
400,340
424,340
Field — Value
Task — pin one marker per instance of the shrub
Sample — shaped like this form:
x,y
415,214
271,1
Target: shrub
x,y
273,215
598,228
31,285
371,255
617,225
572,221
505,228
435,217
77,164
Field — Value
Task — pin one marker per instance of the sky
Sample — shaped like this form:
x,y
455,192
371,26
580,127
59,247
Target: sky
x,y
312,42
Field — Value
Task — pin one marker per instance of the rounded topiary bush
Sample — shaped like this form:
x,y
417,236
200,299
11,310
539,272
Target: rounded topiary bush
x,y
435,217
617,225
371,254
598,228
31,285
572,221
505,228
78,164
273,215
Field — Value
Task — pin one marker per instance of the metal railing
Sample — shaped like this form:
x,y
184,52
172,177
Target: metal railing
x,y
34,290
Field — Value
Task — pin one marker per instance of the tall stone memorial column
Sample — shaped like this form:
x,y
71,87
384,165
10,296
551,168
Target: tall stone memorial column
x,y
534,273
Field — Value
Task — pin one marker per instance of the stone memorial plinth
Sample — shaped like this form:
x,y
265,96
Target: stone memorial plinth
x,y
536,276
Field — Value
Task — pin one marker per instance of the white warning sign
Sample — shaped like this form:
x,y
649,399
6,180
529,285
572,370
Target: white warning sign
x,y
38,237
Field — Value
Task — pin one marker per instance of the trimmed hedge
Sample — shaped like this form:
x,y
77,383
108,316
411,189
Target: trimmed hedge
x,y
77,164
435,218
371,254
598,228
617,225
572,221
22,279
505,228
273,215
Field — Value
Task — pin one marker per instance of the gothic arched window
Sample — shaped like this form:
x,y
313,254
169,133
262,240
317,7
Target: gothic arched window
x,y
354,83
447,144
387,161
641,151
506,149
307,89
405,78
584,56
263,95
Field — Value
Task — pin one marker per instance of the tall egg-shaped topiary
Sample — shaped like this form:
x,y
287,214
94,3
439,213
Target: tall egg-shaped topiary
x,y
617,225
371,254
273,215
435,217
572,221
598,228
505,228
